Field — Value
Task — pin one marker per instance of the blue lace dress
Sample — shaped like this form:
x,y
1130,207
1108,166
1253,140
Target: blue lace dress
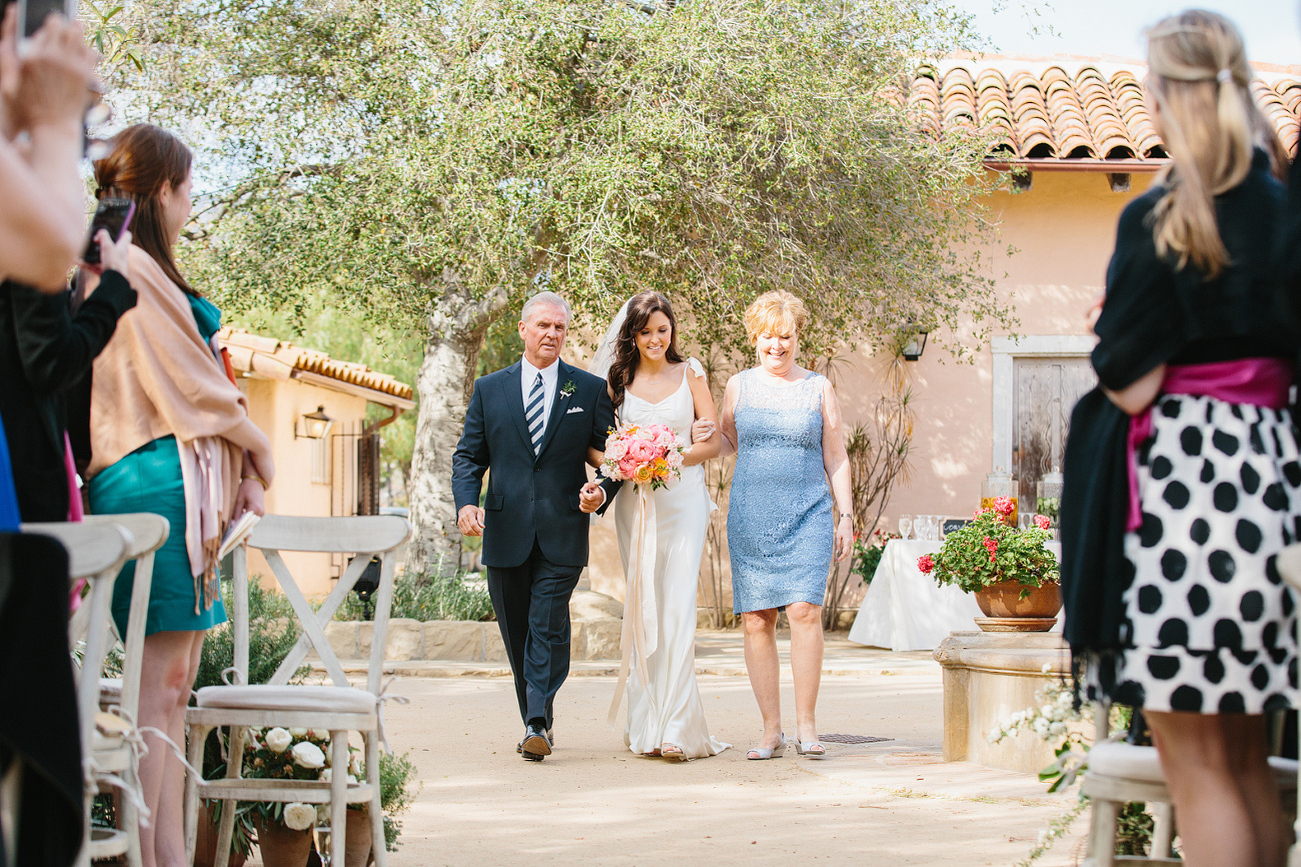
x,y
780,528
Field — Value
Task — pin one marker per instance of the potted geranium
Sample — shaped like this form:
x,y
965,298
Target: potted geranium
x,y
1011,571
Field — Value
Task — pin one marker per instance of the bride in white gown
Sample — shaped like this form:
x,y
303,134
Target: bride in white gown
x,y
651,383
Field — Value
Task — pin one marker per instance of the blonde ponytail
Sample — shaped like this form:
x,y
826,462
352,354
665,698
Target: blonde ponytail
x,y
1200,83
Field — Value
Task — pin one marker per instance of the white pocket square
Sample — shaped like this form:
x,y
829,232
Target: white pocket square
x,y
573,409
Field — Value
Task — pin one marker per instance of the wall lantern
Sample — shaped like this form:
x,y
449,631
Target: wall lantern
x,y
912,350
315,425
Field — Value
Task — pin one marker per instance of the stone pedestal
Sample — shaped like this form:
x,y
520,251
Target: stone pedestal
x,y
988,676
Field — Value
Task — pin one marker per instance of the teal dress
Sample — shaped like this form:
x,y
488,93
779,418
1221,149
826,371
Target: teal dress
x,y
149,480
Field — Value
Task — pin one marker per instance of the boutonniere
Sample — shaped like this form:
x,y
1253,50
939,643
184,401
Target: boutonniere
x,y
567,389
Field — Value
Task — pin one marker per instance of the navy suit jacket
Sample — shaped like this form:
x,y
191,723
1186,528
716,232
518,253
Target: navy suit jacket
x,y
532,498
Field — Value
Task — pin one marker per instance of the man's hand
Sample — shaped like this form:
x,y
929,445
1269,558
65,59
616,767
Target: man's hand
x,y
591,497
470,520
701,430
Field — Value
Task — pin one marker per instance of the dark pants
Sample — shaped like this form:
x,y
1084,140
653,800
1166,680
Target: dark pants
x,y
532,605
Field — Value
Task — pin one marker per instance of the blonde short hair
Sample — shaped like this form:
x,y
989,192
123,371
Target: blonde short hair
x,y
776,312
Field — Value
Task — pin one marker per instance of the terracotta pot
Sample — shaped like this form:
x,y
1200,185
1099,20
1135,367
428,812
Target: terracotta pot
x,y
1004,600
357,844
205,850
282,847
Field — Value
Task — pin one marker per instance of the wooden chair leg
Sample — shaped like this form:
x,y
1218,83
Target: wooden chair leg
x,y
234,769
129,823
1102,832
1163,829
376,811
338,797
194,752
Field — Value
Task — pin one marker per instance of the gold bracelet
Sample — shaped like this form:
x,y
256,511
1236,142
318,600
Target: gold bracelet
x,y
261,481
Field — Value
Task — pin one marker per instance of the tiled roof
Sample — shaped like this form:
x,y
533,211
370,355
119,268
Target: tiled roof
x,y
1042,111
276,359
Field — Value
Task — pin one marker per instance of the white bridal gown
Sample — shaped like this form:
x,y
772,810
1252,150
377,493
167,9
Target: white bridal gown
x,y
668,710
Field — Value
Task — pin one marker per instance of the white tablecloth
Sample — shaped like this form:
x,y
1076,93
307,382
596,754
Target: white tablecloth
x,y
906,610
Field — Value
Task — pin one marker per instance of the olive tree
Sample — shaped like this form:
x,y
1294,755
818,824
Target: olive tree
x,y
433,163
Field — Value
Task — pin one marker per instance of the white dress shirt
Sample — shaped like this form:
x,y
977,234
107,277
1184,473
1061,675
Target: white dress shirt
x,y
529,374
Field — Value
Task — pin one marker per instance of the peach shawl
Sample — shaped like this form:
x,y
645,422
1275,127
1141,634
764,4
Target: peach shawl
x,y
158,377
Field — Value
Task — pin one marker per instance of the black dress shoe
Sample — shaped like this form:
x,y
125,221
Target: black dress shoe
x,y
535,744
551,740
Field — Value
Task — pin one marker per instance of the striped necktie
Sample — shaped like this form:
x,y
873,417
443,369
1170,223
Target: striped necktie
x,y
533,413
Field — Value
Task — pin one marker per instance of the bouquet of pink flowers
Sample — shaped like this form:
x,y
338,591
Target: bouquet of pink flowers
x,y
650,454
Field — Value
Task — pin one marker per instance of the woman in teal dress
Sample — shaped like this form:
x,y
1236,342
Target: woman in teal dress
x,y
783,422
170,434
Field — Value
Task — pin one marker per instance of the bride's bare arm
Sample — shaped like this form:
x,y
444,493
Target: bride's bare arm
x,y
703,450
727,427
594,458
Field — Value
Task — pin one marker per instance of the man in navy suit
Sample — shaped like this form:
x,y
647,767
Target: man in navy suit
x,y
532,425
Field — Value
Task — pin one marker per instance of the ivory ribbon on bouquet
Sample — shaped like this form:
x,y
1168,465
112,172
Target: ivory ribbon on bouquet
x,y
640,617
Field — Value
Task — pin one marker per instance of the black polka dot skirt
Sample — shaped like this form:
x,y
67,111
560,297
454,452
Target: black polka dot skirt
x,y
1210,627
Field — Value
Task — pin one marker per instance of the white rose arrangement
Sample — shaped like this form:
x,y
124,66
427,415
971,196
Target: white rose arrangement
x,y
294,754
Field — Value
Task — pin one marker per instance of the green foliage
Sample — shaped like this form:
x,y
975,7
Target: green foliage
x,y
444,160
118,44
866,557
396,773
990,550
429,597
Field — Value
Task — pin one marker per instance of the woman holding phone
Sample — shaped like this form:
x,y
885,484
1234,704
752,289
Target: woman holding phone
x,y
170,434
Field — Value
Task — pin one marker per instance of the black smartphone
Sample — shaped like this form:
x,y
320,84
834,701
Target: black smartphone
x,y
32,13
113,214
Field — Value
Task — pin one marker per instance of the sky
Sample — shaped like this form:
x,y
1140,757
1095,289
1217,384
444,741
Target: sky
x,y
1271,28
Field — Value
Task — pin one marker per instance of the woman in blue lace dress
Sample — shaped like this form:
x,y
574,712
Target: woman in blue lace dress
x,y
783,423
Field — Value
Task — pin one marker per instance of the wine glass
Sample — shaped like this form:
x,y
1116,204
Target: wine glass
x,y
932,527
905,525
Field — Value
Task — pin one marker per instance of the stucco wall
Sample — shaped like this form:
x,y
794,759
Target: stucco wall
x,y
276,406
1062,231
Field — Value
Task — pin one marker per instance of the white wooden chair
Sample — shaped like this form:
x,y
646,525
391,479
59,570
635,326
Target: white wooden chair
x,y
113,751
96,552
338,708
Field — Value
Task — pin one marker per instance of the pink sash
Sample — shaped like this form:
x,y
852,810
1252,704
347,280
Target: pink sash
x,y
1254,381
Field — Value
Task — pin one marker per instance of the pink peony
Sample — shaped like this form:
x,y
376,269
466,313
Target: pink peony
x,y
925,564
627,467
1041,521
615,448
641,451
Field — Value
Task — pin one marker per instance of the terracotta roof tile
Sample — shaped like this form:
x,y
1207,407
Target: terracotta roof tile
x,y
1049,111
276,359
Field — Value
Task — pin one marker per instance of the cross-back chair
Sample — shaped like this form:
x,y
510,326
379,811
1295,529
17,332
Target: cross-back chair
x,y
96,553
338,708
119,698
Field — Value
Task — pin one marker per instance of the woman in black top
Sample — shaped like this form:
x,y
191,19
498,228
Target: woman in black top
x,y
1183,479
45,351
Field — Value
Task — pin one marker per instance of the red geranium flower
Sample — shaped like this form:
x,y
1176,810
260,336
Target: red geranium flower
x,y
991,546
1041,521
925,564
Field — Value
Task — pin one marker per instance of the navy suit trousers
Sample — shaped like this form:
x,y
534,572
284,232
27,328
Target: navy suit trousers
x,y
532,605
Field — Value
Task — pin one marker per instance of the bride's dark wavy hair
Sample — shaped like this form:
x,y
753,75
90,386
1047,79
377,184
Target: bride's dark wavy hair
x,y
626,356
